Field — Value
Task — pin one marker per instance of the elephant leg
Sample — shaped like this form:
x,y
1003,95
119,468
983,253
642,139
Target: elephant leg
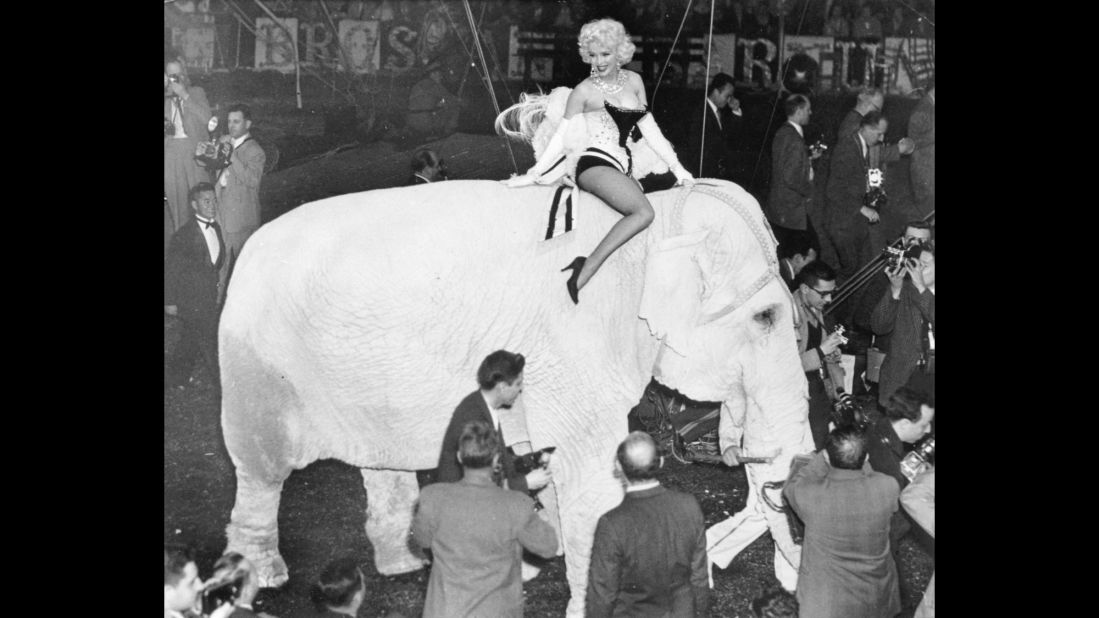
x,y
390,499
580,513
253,527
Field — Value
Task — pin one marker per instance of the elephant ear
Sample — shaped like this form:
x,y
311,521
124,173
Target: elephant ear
x,y
671,302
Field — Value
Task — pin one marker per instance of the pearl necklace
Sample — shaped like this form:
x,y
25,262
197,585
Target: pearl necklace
x,y
619,83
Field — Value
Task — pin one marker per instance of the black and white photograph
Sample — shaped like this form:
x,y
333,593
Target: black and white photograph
x,y
658,340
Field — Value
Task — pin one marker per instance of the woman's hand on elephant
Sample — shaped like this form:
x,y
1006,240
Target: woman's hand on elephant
x,y
521,181
682,176
538,478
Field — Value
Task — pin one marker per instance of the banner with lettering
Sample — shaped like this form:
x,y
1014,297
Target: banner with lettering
x,y
274,46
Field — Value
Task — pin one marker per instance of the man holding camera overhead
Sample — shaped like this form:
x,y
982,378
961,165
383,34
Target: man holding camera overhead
x,y
907,313
186,113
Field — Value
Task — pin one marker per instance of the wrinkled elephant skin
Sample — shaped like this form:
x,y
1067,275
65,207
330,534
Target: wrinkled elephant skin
x,y
354,325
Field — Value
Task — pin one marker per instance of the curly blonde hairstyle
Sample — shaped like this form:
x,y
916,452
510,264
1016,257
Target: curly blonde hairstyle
x,y
608,33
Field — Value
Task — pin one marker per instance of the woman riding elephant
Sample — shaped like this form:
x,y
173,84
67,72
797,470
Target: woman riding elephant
x,y
612,110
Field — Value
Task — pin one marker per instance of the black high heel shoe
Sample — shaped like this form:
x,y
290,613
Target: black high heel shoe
x,y
575,267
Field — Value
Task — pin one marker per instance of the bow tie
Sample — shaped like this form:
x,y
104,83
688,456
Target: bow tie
x,y
208,224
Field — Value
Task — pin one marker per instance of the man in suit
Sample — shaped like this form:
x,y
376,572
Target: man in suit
x,y
921,129
906,312
427,167
182,585
186,112
818,346
195,257
649,553
791,174
846,567
500,378
794,255
238,186
723,118
871,99
476,531
849,218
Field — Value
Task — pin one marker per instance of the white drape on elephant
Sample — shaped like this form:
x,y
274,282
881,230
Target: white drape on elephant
x,y
355,324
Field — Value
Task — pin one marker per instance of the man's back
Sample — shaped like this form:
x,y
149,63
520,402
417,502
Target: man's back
x,y
846,566
649,557
475,533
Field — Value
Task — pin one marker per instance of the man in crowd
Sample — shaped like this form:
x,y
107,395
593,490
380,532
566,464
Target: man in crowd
x,y
500,378
723,118
476,530
871,99
818,346
849,217
649,552
907,419
432,109
846,567
186,113
195,257
906,312
182,584
794,255
921,129
427,167
238,186
915,232
791,173
918,499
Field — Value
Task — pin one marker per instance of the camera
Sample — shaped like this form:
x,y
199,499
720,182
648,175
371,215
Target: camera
x,y
898,256
214,598
531,461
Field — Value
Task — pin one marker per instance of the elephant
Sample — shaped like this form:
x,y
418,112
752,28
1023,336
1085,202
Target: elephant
x,y
355,324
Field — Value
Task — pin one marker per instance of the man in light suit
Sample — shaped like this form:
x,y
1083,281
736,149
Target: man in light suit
x,y
186,112
648,557
846,568
849,218
195,257
238,186
476,531
921,129
723,118
791,173
818,346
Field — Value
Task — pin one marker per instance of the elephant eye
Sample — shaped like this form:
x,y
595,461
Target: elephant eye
x,y
766,318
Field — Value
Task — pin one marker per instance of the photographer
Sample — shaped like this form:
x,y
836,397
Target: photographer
x,y
186,114
907,313
818,345
231,589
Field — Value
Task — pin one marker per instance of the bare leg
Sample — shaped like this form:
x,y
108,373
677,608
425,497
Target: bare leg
x,y
623,194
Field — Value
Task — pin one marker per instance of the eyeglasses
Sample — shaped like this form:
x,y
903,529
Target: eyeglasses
x,y
822,293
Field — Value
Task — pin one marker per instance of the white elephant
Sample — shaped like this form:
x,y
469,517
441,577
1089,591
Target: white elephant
x,y
354,325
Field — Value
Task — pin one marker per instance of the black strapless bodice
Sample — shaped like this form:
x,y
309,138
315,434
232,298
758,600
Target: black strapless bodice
x,y
626,120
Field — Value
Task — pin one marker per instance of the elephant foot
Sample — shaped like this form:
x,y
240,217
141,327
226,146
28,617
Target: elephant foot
x,y
391,498
269,565
407,564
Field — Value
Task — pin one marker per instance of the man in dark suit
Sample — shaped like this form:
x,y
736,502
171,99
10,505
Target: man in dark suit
x,y
846,568
722,119
921,129
427,167
791,174
871,99
793,255
906,312
500,378
195,256
849,218
649,553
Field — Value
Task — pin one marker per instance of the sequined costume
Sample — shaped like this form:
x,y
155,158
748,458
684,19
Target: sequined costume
x,y
610,130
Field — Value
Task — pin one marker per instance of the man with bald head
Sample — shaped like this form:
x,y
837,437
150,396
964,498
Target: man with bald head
x,y
649,553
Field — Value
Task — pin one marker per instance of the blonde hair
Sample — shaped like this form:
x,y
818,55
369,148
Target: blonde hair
x,y
609,33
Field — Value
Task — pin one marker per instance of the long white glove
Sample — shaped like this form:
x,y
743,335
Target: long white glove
x,y
553,154
663,149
